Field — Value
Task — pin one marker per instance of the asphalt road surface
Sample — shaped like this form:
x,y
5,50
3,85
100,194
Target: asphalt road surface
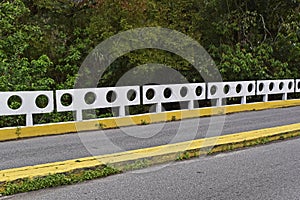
x,y
260,173
71,146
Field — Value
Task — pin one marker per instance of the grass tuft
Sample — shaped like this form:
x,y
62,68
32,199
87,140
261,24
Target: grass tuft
x,y
54,180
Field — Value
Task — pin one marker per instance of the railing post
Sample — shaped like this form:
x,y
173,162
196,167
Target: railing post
x,y
78,115
29,121
265,98
284,96
122,111
244,100
219,102
191,105
158,108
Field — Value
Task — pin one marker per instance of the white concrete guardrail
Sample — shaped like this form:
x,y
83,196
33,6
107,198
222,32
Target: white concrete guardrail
x,y
223,90
158,94
122,97
92,98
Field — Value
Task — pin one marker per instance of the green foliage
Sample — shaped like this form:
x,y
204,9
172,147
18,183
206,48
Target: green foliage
x,y
173,118
55,180
249,63
18,131
254,39
18,71
44,42
144,122
183,156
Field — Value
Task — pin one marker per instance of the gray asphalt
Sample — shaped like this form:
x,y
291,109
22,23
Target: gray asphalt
x,y
71,146
260,173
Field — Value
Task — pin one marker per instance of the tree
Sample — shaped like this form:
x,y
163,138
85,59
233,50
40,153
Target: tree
x,y
251,40
19,72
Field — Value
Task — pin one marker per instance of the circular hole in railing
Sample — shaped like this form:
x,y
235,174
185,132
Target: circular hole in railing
x,y
213,90
226,89
198,91
167,93
14,102
150,94
281,85
42,101
250,87
183,91
111,96
261,87
271,86
90,98
131,95
238,88
66,99
290,86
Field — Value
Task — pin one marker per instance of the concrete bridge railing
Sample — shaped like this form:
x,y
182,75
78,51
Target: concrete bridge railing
x,y
122,97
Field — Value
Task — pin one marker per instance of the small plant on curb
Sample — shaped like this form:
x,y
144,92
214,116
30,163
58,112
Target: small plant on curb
x,y
144,122
230,147
183,156
18,131
173,118
265,140
100,125
210,152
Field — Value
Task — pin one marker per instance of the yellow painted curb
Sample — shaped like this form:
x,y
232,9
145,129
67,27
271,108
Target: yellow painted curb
x,y
106,123
156,155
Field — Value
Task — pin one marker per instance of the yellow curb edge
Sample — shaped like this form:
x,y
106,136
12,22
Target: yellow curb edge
x,y
158,154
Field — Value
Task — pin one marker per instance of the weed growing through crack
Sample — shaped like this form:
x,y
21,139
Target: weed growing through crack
x,y
18,131
183,156
173,118
100,125
144,122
